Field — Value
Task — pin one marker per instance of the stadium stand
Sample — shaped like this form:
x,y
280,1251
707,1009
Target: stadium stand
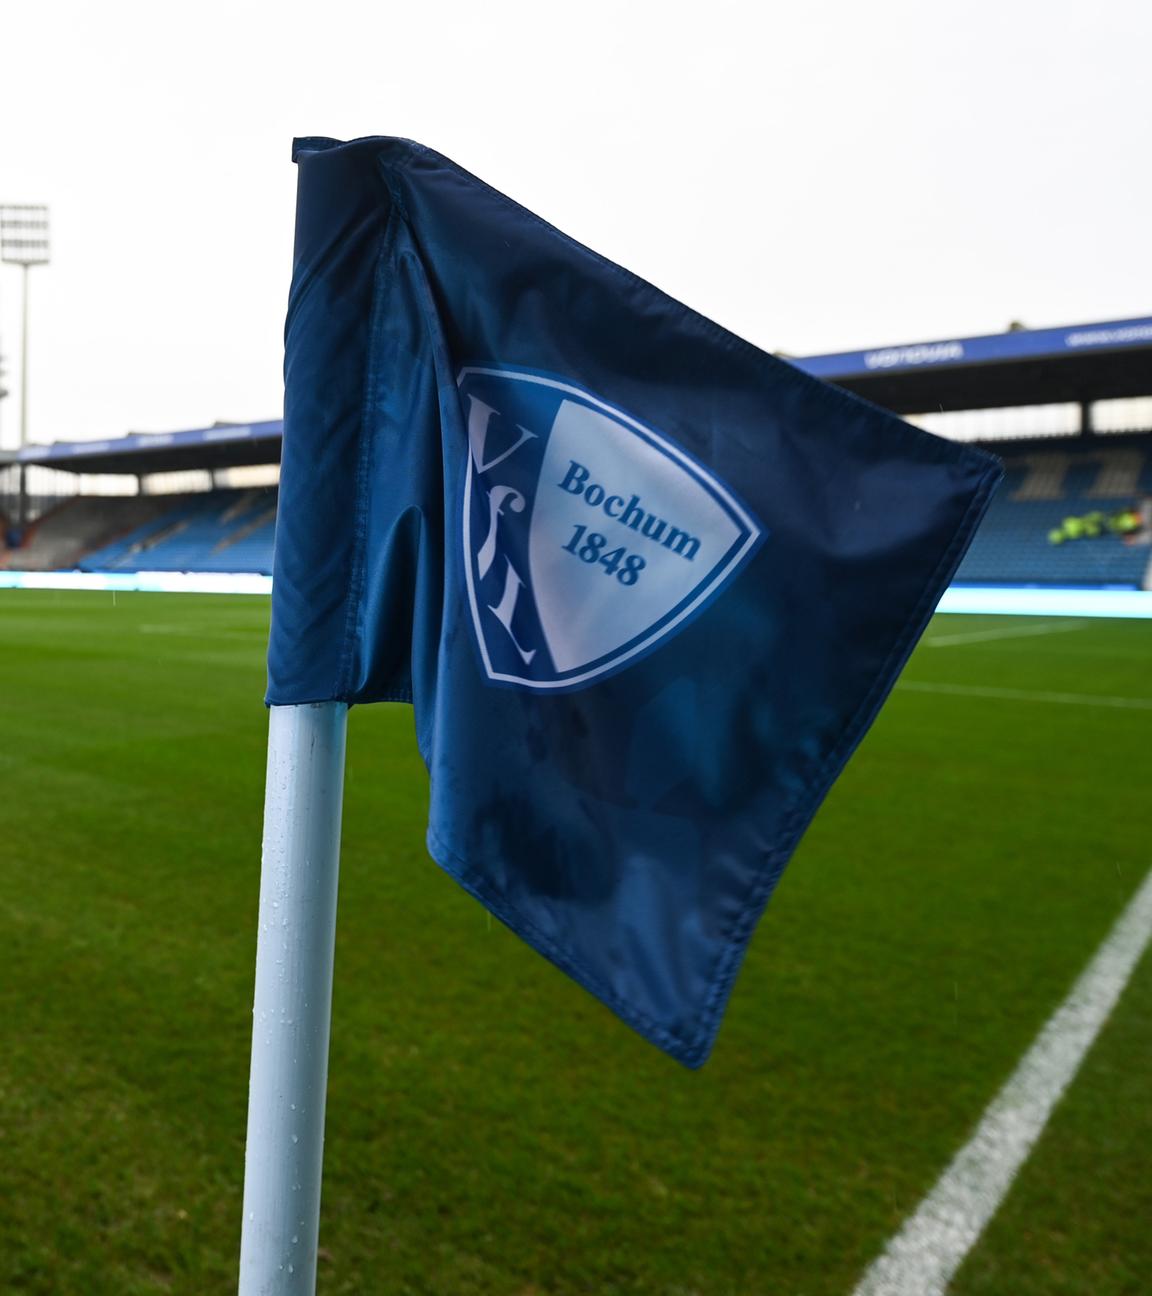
x,y
1039,491
1067,466
220,531
60,538
233,530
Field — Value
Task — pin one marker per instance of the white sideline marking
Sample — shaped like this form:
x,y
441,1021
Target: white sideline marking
x,y
923,1257
1018,632
1028,695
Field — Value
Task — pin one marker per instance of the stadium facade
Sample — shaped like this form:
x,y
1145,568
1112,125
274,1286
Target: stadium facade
x,y
1069,410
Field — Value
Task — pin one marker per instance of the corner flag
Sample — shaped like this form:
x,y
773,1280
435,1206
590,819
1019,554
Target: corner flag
x,y
645,585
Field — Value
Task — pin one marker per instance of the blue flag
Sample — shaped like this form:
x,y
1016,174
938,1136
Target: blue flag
x,y
645,585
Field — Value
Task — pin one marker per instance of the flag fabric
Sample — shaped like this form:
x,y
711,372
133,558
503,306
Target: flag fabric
x,y
645,585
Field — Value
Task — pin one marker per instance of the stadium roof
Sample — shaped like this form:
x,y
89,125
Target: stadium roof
x,y
1081,362
225,445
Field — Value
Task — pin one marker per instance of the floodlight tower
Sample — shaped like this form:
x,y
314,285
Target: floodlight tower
x,y
23,242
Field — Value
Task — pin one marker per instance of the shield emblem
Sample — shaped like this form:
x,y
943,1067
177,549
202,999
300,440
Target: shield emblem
x,y
589,538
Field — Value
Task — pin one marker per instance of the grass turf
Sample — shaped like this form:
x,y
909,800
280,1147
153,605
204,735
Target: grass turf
x,y
491,1129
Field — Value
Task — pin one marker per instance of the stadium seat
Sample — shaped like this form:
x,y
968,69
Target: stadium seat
x,y
221,531
1012,545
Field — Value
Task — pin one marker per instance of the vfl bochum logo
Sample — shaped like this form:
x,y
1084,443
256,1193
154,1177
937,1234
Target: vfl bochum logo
x,y
588,537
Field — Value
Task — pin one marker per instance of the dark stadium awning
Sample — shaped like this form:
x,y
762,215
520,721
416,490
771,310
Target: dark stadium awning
x,y
223,446
1082,362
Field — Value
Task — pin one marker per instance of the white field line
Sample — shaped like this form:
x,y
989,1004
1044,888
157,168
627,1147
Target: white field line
x,y
1016,632
199,632
1027,695
923,1257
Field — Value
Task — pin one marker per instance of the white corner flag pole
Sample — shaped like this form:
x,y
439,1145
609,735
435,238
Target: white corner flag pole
x,y
293,1003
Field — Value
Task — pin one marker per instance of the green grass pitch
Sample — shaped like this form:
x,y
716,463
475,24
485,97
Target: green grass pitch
x,y
492,1131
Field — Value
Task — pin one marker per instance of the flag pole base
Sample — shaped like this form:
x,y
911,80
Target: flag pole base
x,y
291,1016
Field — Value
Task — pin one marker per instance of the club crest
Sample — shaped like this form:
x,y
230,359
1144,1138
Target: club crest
x,y
588,537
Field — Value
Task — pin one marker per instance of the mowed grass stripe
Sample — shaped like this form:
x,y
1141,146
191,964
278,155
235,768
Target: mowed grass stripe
x,y
1029,630
491,1129
1027,695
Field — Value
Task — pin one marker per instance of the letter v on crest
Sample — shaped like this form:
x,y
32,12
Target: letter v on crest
x,y
479,420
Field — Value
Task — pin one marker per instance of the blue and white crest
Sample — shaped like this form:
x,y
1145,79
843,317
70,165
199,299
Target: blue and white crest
x,y
588,537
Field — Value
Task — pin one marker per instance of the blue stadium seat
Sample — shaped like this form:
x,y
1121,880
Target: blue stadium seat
x,y
1012,545
222,531
233,530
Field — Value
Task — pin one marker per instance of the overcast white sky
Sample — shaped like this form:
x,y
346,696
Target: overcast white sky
x,y
818,175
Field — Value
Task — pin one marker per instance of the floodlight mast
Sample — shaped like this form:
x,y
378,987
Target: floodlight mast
x,y
24,242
